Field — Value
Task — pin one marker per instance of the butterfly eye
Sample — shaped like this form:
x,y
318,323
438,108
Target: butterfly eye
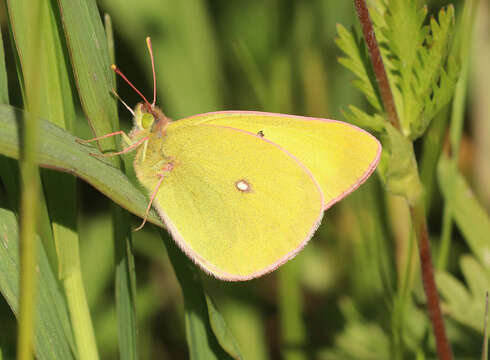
x,y
147,120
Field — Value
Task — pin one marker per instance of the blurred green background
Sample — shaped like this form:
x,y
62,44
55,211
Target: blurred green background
x,y
277,56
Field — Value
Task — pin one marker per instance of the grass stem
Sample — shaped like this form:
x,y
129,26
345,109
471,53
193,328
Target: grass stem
x,y
80,315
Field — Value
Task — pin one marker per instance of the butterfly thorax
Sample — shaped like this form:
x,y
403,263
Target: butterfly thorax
x,y
149,161
150,125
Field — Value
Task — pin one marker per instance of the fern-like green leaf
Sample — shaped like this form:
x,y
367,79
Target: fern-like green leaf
x,y
434,73
372,123
464,304
356,61
421,74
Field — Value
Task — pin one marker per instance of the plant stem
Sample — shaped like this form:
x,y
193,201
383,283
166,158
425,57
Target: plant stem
x,y
28,253
30,195
377,61
417,212
417,209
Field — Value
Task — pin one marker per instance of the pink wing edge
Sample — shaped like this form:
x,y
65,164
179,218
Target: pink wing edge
x,y
359,182
208,267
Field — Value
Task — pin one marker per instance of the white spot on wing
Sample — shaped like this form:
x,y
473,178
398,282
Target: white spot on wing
x,y
243,186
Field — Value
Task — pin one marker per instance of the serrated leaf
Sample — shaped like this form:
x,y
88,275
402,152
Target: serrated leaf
x,y
435,75
415,56
404,36
360,340
404,20
357,62
466,305
372,123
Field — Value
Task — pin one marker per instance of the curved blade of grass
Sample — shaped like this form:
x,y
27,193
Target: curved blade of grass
x,y
469,214
8,168
59,150
200,320
53,338
221,330
4,91
89,54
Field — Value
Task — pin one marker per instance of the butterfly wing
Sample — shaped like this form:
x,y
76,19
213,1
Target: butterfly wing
x,y
237,204
340,156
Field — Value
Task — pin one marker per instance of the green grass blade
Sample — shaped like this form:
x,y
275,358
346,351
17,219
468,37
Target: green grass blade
x,y
30,185
125,286
221,330
471,218
91,64
293,331
59,150
463,50
4,90
201,340
9,172
53,337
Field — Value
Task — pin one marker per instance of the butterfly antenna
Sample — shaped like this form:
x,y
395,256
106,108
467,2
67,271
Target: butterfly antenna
x,y
121,100
150,50
118,72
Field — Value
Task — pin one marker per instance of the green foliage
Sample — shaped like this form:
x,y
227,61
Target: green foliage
x,y
421,70
60,151
53,334
470,216
422,66
353,46
466,303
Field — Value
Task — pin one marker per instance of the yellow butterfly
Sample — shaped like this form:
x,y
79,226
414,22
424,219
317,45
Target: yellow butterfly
x,y
242,192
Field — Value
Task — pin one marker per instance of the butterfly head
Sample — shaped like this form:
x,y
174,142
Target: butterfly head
x,y
149,118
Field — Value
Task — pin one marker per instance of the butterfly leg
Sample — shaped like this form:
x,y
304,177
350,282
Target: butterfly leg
x,y
125,137
167,167
127,149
